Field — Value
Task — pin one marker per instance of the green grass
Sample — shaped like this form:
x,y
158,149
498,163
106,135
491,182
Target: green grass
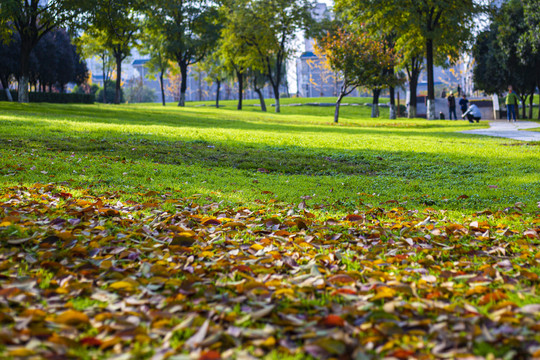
x,y
235,156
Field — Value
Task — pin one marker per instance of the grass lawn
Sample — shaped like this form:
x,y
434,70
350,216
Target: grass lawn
x,y
138,231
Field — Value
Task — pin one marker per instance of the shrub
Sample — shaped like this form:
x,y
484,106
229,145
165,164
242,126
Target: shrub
x,y
140,93
53,98
111,93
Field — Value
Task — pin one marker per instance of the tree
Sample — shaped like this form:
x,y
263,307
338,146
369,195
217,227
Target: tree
x,y
257,81
237,57
269,29
439,25
33,19
191,29
117,23
530,41
360,59
500,58
94,45
153,44
216,73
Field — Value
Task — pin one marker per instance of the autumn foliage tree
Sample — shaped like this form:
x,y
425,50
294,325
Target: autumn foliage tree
x,y
360,59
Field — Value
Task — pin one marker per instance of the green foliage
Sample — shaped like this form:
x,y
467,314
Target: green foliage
x,y
189,29
260,34
504,56
117,25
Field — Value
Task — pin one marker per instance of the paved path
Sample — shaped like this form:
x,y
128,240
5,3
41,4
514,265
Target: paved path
x,y
502,128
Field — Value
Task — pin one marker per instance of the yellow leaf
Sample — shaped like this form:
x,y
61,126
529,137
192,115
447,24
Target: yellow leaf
x,y
284,292
21,352
72,318
122,285
384,293
257,247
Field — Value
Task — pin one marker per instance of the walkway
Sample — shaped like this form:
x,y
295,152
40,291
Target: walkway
x,y
502,128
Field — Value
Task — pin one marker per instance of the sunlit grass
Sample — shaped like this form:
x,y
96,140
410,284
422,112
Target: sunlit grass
x,y
235,156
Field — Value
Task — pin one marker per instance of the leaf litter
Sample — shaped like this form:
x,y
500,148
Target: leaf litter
x,y
85,274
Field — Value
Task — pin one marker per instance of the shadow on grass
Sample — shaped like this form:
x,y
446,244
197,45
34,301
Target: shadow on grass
x,y
228,119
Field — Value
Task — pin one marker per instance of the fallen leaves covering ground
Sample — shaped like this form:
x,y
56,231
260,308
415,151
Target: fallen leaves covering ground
x,y
92,277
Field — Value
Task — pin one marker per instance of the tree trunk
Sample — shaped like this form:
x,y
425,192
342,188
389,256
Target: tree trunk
x,y
118,96
261,99
240,77
392,103
531,103
24,79
5,85
338,105
162,88
375,105
276,97
431,82
539,96
183,84
413,87
523,107
218,84
104,82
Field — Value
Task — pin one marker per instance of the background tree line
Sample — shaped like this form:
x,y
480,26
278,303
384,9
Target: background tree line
x,y
53,63
251,41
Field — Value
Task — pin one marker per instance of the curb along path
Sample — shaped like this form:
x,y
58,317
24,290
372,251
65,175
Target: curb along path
x,y
508,130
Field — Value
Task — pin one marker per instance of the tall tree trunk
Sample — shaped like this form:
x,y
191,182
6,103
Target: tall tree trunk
x,y
375,105
431,81
104,82
183,84
276,97
531,103
392,103
240,77
218,89
338,105
24,79
5,85
118,96
414,74
538,95
261,99
162,88
523,107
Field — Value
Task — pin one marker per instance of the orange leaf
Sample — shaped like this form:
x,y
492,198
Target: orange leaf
x,y
333,321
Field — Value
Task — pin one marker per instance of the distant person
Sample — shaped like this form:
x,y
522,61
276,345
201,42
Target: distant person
x,y
458,90
512,101
443,94
452,105
472,114
464,104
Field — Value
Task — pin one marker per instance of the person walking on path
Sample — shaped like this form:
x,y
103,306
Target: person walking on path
x,y
452,106
464,104
473,113
512,101
458,90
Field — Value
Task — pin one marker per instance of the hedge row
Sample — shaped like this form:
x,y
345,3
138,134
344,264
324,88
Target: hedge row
x,y
55,98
